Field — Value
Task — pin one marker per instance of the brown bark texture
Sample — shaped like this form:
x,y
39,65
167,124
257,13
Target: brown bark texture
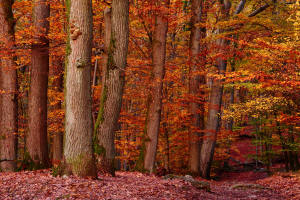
x,y
212,125
197,79
36,140
116,47
78,149
155,103
8,89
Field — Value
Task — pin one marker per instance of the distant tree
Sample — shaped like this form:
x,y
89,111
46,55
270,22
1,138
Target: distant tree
x,y
36,140
196,109
57,84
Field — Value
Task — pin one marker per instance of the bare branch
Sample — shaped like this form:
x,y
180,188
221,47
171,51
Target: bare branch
x,y
139,48
149,33
240,7
259,10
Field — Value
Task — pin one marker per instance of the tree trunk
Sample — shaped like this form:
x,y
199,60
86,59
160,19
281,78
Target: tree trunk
x,y
155,103
8,84
37,143
212,125
78,148
116,46
196,108
57,85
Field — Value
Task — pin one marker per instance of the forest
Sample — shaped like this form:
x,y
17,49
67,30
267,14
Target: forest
x,y
149,99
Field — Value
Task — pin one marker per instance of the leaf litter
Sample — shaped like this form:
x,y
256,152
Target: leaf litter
x,y
41,184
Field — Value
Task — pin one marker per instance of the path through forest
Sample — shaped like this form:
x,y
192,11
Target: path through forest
x,y
133,185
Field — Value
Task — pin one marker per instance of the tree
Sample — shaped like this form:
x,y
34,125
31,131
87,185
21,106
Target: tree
x,y
78,149
155,97
197,46
116,46
212,125
8,86
36,141
56,116
57,84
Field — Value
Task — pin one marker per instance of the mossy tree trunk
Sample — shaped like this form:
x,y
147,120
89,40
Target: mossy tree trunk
x,y
36,140
78,149
155,98
197,78
116,47
8,84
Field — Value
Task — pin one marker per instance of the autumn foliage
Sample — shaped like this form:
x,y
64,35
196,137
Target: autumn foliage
x,y
260,85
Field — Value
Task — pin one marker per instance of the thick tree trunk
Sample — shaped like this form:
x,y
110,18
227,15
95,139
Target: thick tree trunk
x,y
196,108
155,103
116,46
37,143
212,125
8,84
78,147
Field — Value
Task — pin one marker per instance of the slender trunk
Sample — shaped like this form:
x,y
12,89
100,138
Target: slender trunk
x,y
166,134
196,108
167,148
293,153
215,102
155,103
57,85
116,45
37,144
229,123
8,84
284,147
78,147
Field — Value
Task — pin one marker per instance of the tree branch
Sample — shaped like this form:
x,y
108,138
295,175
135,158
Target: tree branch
x,y
240,7
259,10
149,33
139,48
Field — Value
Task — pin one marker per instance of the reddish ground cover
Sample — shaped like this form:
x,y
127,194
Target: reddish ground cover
x,y
134,185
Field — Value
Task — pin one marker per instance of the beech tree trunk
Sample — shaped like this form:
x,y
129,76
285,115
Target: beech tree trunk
x,y
8,85
197,61
116,47
78,147
212,125
36,141
155,103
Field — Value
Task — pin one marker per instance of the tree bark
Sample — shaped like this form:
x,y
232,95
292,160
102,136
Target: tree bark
x,y
196,108
78,149
116,47
212,125
8,84
155,103
37,143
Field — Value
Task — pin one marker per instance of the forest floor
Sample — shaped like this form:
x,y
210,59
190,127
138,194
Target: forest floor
x,y
133,185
